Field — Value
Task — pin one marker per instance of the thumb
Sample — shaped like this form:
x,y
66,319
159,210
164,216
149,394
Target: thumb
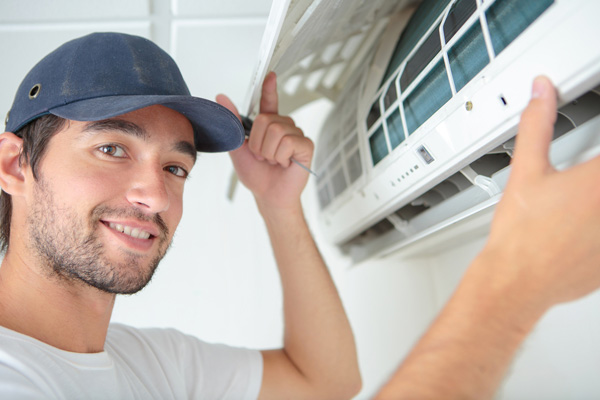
x,y
269,99
228,104
536,128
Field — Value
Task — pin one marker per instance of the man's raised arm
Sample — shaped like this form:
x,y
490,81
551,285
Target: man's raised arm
x,y
537,255
319,355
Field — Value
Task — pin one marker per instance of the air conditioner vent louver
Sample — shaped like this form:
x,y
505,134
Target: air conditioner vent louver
x,y
441,192
490,164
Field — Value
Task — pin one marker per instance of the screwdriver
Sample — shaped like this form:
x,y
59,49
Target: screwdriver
x,y
247,124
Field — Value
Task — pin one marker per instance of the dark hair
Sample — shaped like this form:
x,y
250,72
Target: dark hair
x,y
36,136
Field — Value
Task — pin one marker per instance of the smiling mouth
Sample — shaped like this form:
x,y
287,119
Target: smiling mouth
x,y
128,230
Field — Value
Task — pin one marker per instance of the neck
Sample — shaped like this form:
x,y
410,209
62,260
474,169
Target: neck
x,y
68,315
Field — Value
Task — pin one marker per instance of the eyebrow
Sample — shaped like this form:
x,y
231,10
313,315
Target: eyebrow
x,y
129,128
186,147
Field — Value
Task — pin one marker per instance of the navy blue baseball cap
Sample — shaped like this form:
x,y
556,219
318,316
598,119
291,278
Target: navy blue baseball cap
x,y
103,75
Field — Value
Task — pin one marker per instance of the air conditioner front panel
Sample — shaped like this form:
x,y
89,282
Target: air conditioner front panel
x,y
478,118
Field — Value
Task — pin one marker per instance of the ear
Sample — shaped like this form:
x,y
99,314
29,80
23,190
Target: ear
x,y
12,177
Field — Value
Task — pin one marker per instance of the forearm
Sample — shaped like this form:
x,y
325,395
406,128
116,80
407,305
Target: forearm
x,y
318,339
536,257
469,347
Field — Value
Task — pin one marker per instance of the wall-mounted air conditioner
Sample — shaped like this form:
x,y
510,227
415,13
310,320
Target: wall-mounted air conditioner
x,y
427,101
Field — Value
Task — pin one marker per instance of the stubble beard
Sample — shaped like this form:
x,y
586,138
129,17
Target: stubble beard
x,y
68,247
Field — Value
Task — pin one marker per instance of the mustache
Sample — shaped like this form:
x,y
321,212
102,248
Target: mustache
x,y
103,211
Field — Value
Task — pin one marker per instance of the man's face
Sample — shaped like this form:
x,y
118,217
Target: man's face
x,y
109,197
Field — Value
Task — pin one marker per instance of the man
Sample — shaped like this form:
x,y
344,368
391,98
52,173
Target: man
x,y
98,143
538,255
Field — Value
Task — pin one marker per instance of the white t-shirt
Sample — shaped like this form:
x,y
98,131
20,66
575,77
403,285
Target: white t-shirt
x,y
135,364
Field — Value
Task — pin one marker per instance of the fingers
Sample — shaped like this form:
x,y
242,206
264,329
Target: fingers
x,y
536,129
271,133
269,101
228,104
275,138
586,176
296,147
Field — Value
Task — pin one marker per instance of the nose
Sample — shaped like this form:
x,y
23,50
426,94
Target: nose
x,y
148,190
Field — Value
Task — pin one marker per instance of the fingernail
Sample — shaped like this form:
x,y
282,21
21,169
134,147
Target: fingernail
x,y
539,88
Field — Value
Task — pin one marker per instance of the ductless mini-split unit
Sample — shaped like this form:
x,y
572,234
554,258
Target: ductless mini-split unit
x,y
427,98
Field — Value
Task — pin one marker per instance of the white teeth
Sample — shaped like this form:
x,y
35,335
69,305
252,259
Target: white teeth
x,y
133,232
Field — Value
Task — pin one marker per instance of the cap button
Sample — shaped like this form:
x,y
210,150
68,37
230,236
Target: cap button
x,y
35,91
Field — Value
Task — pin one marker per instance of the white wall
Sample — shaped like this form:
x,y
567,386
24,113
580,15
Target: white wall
x,y
219,281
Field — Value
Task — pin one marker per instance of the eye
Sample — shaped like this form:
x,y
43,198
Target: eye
x,y
112,150
177,171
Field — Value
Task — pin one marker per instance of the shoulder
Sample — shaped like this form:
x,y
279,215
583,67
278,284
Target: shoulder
x,y
174,344
23,362
214,370
119,333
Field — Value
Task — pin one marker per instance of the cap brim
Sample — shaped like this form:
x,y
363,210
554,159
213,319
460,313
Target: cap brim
x,y
215,127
